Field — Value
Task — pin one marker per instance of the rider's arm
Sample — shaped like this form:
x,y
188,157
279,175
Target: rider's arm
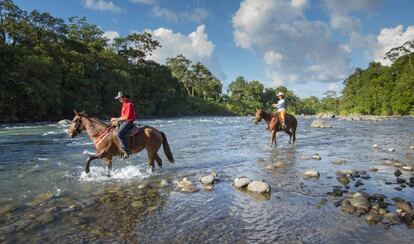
x,y
128,113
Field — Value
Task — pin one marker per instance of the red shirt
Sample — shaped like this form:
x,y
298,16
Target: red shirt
x,y
128,111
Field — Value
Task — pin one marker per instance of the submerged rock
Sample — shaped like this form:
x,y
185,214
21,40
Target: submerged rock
x,y
397,173
258,187
319,123
163,183
311,174
339,161
42,197
360,202
343,180
241,182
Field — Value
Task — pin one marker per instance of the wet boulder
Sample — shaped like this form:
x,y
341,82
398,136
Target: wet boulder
x,y
311,174
373,218
407,168
361,203
320,123
344,180
258,187
391,218
316,156
241,182
397,173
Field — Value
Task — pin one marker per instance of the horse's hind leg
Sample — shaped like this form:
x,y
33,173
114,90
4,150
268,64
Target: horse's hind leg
x,y
290,135
151,158
158,159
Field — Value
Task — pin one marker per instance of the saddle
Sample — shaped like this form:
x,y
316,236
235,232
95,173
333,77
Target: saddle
x,y
135,130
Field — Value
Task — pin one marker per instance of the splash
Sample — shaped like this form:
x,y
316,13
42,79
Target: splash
x,y
98,174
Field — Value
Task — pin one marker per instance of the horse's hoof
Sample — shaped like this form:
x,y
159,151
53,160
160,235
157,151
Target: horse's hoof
x,y
87,170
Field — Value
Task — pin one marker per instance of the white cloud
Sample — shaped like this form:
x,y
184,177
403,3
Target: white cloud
x,y
194,46
299,3
165,13
340,13
293,48
102,5
148,2
195,15
390,38
111,35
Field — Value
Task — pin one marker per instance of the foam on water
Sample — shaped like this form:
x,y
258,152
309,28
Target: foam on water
x,y
98,174
49,133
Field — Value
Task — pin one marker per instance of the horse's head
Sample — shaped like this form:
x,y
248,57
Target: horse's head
x,y
259,115
76,126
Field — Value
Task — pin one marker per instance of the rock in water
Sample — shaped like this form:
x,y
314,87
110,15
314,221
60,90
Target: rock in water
x,y
361,203
391,150
373,169
279,164
319,123
408,168
186,185
316,156
397,173
391,218
207,180
241,182
258,187
373,218
311,174
375,146
64,122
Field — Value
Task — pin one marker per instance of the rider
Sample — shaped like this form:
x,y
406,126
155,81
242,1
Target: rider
x,y
281,107
126,121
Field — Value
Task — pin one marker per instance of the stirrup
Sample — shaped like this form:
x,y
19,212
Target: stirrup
x,y
124,154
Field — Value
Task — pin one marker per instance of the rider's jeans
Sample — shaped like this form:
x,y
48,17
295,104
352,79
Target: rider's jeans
x,y
123,129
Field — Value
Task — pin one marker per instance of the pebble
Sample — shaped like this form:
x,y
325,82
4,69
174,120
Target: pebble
x,y
361,203
258,187
42,197
241,182
398,188
375,146
411,147
373,169
346,172
391,150
397,173
400,180
137,204
311,174
207,180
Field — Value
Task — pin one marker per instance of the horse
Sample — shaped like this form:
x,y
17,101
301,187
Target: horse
x,y
105,140
274,124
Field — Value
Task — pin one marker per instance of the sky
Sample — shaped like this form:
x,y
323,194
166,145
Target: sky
x,y
309,46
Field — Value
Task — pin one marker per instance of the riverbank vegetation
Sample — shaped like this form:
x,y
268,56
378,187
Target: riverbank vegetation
x,y
48,66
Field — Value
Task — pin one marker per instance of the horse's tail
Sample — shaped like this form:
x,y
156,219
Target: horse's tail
x,y
167,149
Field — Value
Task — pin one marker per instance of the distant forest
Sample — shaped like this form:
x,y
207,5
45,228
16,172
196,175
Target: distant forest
x,y
48,66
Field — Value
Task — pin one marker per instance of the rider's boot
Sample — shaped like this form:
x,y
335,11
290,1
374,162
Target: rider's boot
x,y
124,154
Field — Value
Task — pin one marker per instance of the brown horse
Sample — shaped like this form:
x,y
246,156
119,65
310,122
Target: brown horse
x,y
106,142
274,124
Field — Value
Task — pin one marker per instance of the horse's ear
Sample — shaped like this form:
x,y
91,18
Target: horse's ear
x,y
257,110
76,112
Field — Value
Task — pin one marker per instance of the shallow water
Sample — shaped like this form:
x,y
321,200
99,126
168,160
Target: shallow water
x,y
46,196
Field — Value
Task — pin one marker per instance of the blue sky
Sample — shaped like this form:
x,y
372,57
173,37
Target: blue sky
x,y
308,46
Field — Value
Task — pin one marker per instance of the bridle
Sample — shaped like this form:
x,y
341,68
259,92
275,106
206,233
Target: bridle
x,y
78,126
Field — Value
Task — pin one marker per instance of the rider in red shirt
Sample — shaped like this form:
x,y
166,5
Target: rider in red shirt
x,y
126,122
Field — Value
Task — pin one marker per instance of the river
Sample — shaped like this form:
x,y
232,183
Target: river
x,y
45,196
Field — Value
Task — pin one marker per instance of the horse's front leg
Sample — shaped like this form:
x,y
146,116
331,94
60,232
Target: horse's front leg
x,y
272,140
91,158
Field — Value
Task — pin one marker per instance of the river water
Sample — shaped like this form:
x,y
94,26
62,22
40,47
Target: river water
x,y
45,196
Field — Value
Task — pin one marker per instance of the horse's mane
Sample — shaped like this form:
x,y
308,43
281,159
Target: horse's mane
x,y
99,121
